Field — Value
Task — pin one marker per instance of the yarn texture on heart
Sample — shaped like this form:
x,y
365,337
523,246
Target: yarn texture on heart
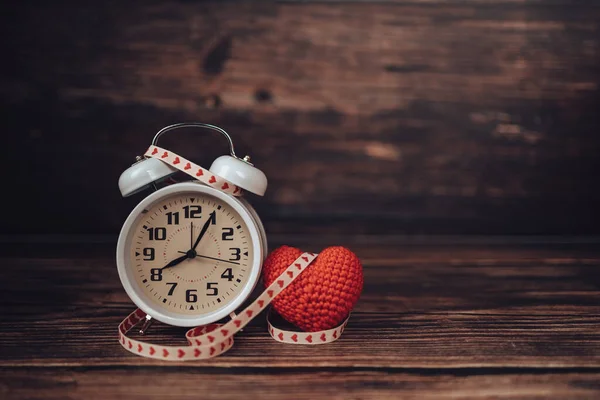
x,y
324,293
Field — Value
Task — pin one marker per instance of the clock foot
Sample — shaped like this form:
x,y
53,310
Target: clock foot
x,y
146,326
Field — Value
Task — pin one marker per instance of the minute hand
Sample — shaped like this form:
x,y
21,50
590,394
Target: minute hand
x,y
204,229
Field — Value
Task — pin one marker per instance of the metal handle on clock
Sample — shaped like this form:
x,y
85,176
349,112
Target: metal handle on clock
x,y
239,171
195,125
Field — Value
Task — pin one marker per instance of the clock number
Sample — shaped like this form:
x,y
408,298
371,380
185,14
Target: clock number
x,y
174,285
173,218
213,218
227,234
192,211
157,233
191,296
156,274
215,289
227,274
236,254
148,253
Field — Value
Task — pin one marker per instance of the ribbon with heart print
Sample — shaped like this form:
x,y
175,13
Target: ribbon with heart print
x,y
194,170
212,340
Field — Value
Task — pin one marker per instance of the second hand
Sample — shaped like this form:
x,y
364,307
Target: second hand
x,y
212,258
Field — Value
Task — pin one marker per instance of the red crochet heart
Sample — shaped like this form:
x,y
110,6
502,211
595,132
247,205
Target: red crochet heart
x,y
324,293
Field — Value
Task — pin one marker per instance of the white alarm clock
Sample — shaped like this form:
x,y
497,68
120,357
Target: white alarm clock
x,y
190,254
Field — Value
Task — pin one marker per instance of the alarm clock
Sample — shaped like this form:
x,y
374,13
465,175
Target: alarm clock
x,y
191,252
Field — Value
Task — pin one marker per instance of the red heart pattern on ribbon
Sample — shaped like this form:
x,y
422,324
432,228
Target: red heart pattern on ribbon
x,y
193,170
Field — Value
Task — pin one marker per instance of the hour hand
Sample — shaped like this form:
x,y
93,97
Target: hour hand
x,y
175,262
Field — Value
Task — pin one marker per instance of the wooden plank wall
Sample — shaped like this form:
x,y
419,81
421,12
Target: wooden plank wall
x,y
419,117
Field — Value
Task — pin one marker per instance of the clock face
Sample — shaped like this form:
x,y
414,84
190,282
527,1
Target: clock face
x,y
190,254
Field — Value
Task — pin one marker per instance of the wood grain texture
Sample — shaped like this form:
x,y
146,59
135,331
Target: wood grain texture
x,y
486,319
298,384
421,308
407,117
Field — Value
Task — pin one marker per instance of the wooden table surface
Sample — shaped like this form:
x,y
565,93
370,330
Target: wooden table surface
x,y
437,319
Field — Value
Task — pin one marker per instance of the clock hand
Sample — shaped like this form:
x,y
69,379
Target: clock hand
x,y
212,258
218,259
204,229
191,234
175,262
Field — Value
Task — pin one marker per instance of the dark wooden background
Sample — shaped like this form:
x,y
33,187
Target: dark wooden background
x,y
430,118
418,117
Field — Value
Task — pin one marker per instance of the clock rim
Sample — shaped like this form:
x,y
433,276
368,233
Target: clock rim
x,y
154,310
